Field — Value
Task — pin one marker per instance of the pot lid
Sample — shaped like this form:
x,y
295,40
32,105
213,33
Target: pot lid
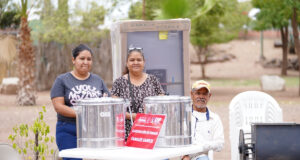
x,y
162,99
101,101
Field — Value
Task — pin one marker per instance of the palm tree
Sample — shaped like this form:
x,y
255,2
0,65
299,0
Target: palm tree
x,y
26,87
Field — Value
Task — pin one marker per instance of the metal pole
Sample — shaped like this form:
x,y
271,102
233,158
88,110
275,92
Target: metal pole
x,y
262,57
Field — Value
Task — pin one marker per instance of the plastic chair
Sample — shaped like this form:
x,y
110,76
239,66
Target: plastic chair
x,y
211,155
250,107
7,152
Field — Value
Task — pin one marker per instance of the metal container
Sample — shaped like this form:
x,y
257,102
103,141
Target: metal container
x,y
100,122
176,130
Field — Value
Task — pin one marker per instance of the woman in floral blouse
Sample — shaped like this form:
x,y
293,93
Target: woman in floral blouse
x,y
142,85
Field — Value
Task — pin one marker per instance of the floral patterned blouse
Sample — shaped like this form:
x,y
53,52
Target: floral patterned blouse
x,y
150,87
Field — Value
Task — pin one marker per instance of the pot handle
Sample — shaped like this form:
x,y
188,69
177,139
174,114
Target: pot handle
x,y
127,104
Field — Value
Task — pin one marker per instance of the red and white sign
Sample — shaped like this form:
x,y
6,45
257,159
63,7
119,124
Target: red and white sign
x,y
145,130
120,130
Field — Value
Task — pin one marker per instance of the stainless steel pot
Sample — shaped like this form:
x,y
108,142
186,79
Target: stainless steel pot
x,y
176,130
100,122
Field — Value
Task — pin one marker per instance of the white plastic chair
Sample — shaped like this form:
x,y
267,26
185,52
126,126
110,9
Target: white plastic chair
x,y
250,107
211,155
7,152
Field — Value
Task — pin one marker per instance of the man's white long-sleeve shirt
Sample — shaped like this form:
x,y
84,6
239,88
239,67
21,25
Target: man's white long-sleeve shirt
x,y
207,129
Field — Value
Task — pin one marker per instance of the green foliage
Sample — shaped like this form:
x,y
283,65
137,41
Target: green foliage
x,y
24,8
60,26
3,5
175,9
291,81
10,19
88,28
216,24
161,9
115,5
63,13
47,9
273,14
203,31
244,8
207,6
293,3
136,9
9,15
93,17
54,23
34,139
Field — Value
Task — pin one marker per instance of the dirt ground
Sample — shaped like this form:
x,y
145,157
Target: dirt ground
x,y
244,66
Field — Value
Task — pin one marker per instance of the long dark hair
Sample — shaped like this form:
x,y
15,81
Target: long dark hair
x,y
79,48
130,50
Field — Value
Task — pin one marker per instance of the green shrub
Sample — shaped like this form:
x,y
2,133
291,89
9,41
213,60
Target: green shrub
x,y
32,141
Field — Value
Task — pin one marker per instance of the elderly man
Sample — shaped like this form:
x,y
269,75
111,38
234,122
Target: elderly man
x,y
207,128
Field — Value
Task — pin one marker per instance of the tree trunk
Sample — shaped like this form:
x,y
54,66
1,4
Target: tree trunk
x,y
36,145
200,52
296,38
144,10
204,61
284,39
26,87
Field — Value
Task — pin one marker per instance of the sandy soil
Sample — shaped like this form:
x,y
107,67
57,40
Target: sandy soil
x,y
244,66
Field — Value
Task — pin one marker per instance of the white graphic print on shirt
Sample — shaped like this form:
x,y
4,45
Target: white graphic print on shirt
x,y
82,92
